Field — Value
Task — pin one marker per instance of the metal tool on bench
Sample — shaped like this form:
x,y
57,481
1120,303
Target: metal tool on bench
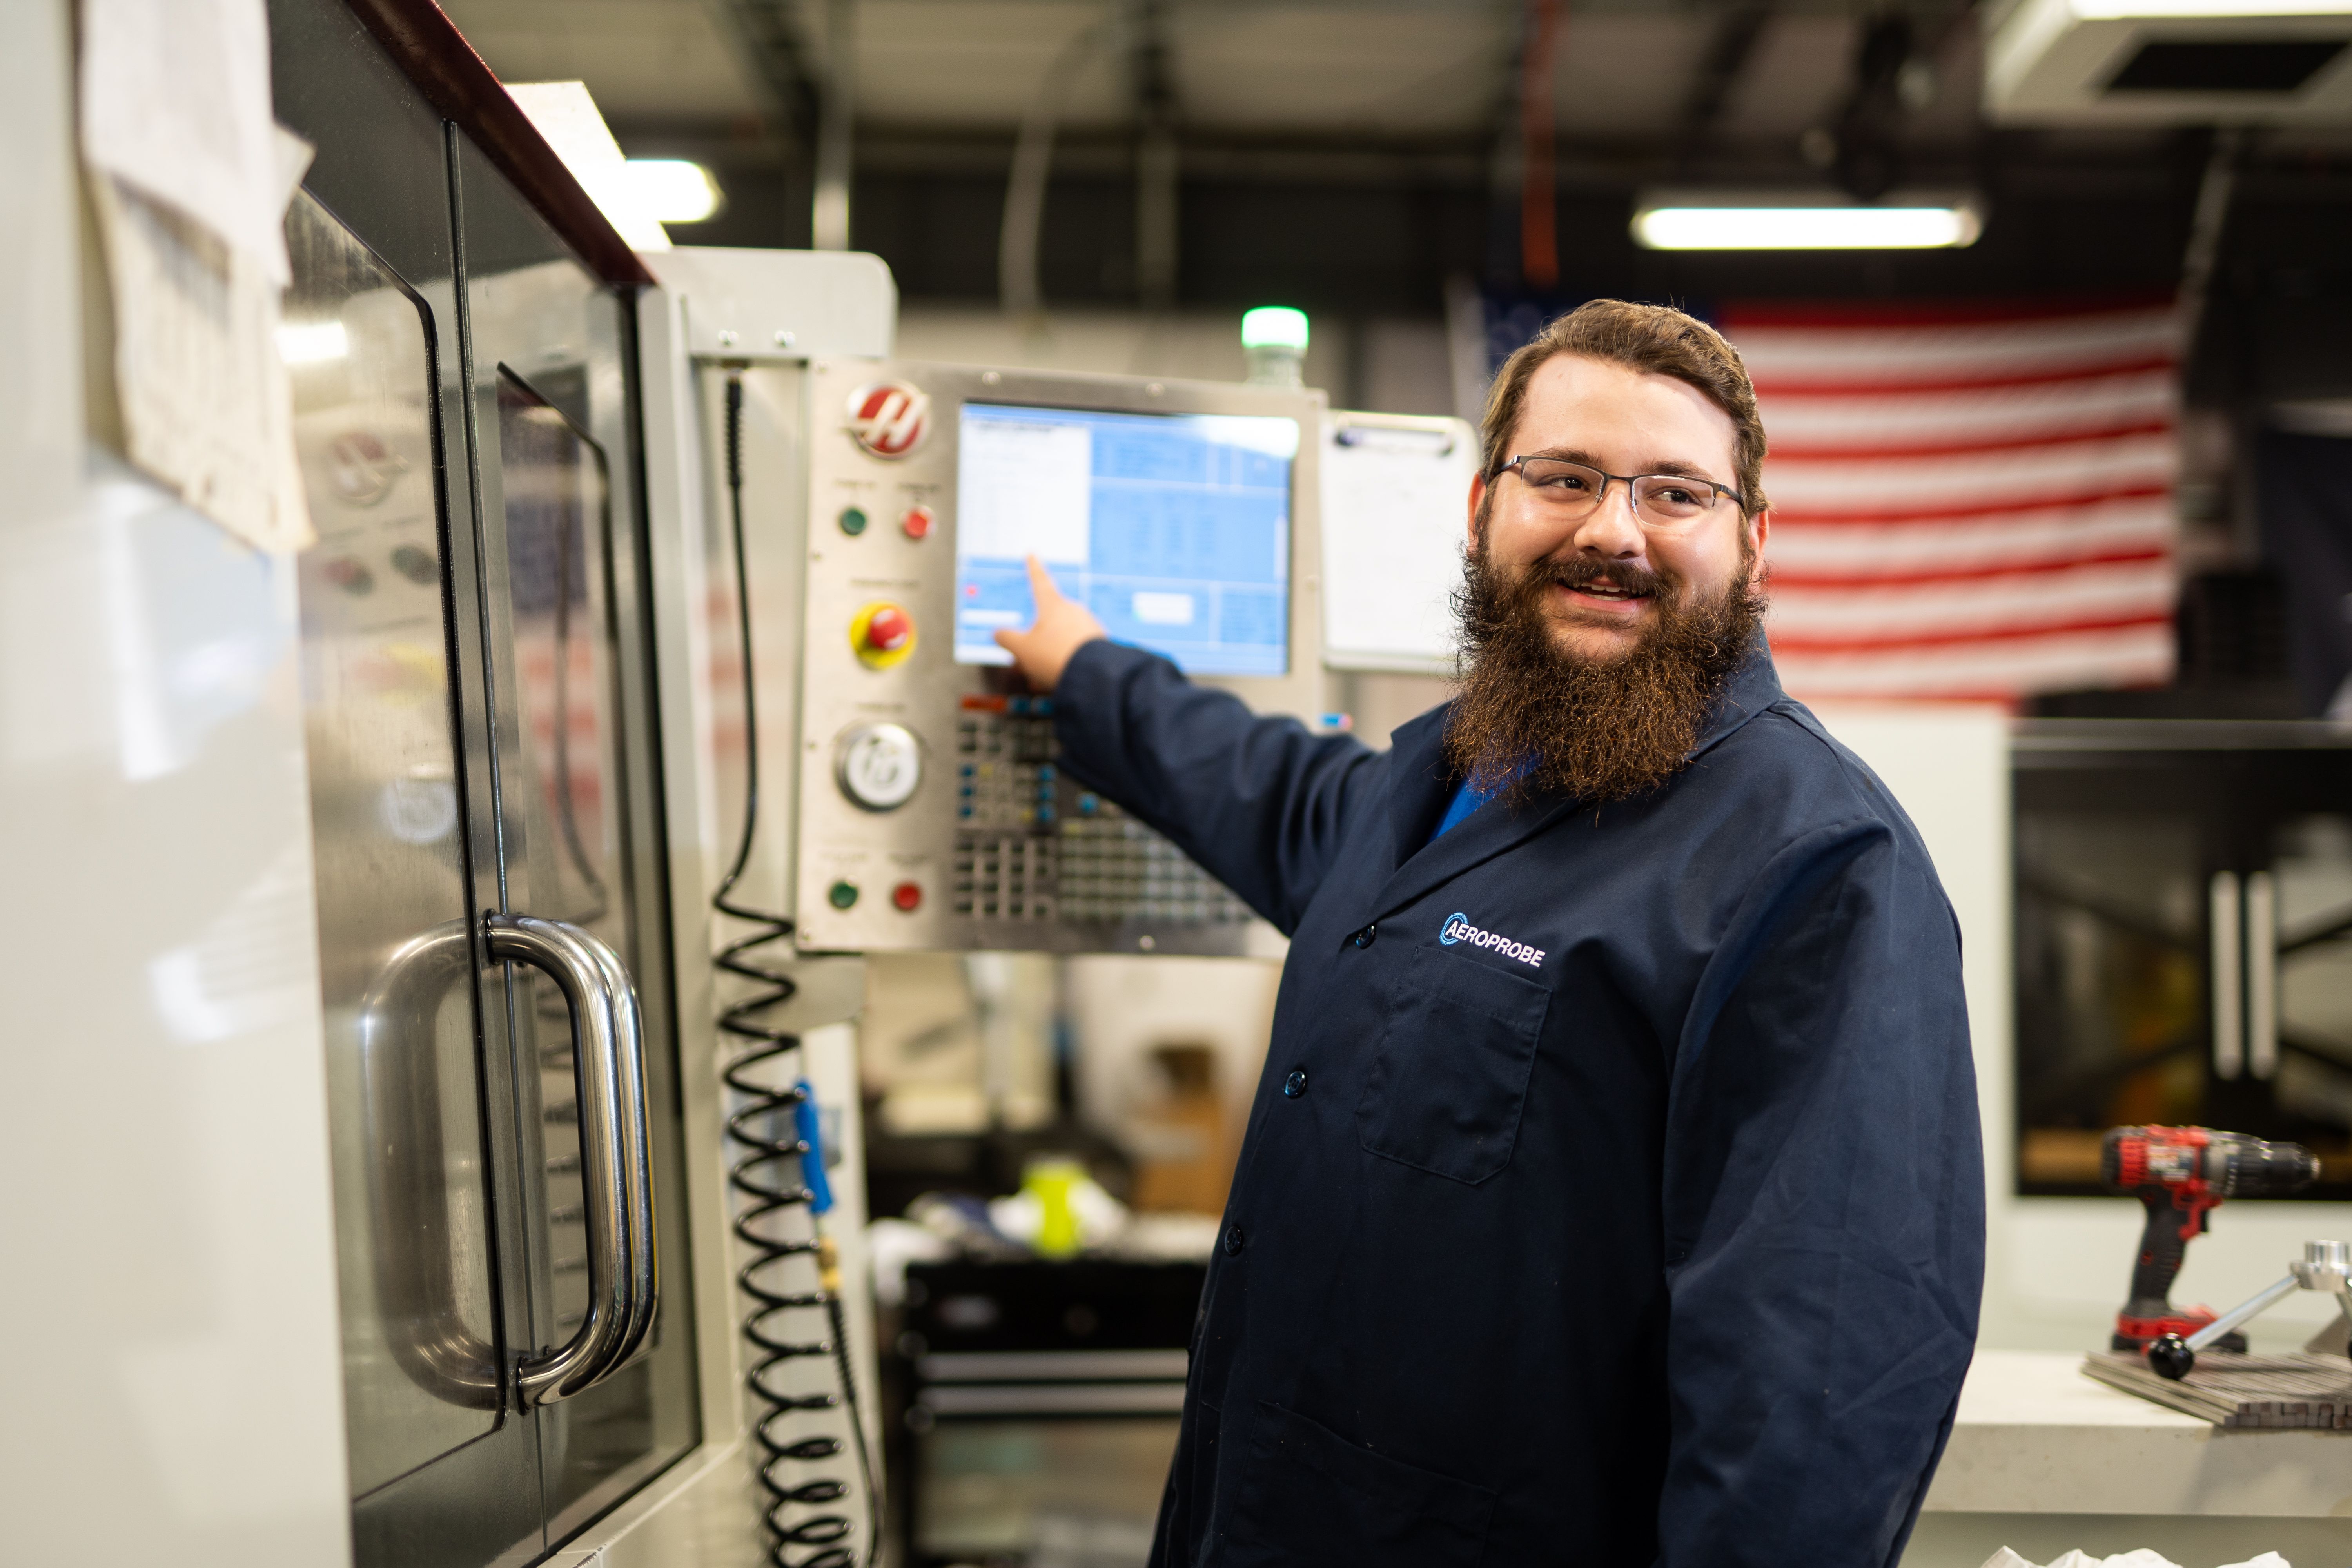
x,y
2179,1173
2324,1265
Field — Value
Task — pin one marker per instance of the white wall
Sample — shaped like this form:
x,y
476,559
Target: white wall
x,y
1193,346
1121,1008
175,1390
2055,1268
1391,366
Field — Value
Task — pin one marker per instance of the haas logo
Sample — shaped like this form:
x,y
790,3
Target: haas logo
x,y
889,418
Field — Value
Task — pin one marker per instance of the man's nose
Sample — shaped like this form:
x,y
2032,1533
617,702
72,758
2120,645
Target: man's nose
x,y
1611,529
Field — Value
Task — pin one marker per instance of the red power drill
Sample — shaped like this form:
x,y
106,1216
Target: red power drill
x,y
2179,1172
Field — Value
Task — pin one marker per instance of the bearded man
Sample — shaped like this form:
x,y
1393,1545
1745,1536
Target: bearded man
x,y
1613,1195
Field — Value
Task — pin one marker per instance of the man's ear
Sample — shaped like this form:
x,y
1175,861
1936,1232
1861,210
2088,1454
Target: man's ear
x,y
1477,495
1759,529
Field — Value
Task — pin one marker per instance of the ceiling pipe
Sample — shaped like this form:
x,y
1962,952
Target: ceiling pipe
x,y
1156,170
765,33
1728,49
1017,284
829,205
1539,200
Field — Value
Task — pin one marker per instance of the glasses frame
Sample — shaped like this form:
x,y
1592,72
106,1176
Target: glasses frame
x,y
1628,480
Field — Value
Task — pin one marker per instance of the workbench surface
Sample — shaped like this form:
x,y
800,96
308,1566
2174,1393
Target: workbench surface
x,y
2035,1435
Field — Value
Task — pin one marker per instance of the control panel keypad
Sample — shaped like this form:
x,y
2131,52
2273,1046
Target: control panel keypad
x,y
1033,846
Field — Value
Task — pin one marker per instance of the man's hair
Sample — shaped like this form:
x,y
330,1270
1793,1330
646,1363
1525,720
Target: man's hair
x,y
1654,339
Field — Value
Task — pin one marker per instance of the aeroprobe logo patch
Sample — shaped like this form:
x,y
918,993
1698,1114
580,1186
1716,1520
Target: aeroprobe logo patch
x,y
1458,929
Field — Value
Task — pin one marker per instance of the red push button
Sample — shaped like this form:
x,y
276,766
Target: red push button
x,y
887,629
916,524
908,896
881,635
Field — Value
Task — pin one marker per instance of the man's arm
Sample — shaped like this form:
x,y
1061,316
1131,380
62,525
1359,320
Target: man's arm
x,y
1259,803
1824,1212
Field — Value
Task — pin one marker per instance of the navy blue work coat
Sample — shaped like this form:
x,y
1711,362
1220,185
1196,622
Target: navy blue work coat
x,y
1613,1195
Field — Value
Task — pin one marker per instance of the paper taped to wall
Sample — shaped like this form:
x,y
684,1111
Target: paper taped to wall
x,y
189,176
176,103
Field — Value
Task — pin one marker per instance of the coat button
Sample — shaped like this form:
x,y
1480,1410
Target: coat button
x,y
1365,937
1296,1084
1233,1239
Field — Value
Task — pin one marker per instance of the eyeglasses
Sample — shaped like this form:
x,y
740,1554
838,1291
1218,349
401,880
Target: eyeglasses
x,y
1663,503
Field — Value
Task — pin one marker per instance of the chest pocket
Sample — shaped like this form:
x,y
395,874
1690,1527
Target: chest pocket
x,y
1449,1077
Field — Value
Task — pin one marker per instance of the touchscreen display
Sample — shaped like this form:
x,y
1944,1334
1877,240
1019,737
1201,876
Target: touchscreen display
x,y
1173,528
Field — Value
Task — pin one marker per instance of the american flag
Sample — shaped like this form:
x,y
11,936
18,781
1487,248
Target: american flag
x,y
1967,502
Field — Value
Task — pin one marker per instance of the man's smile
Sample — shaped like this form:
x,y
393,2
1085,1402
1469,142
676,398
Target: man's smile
x,y
1621,594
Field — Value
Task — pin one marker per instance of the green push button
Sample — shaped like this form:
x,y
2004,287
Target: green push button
x,y
853,523
842,894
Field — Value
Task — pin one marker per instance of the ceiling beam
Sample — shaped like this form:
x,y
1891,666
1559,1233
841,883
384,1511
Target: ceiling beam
x,y
768,37
1728,49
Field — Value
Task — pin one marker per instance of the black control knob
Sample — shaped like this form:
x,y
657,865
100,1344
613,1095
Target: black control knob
x,y
2169,1357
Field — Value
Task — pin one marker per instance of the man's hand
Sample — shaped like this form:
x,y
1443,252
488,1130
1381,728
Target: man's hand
x,y
1061,627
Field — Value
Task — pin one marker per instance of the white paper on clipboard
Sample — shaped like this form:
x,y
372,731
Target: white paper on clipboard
x,y
1396,490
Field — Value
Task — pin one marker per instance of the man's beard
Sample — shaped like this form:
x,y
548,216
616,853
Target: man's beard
x,y
1535,718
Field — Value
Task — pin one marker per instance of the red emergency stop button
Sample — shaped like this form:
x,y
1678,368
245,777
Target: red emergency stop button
x,y
916,524
882,634
908,896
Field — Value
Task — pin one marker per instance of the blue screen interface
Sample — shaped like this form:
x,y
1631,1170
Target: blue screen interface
x,y
1173,528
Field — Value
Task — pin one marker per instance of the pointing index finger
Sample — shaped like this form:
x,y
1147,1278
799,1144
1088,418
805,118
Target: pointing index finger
x,y
1042,584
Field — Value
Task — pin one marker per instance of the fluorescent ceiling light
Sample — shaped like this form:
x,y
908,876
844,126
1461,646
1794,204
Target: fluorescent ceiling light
x,y
1753,220
312,343
1274,327
672,190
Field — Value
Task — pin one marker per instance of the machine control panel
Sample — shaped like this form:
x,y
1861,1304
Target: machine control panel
x,y
935,813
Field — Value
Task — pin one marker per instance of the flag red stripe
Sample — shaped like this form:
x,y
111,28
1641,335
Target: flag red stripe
x,y
1803,644
1782,454
1948,513
1770,387
2040,567
1935,312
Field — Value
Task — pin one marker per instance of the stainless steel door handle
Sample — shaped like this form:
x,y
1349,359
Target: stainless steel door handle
x,y
418,1302
616,1162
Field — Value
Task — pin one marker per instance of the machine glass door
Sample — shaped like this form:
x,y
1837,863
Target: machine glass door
x,y
580,835
443,1459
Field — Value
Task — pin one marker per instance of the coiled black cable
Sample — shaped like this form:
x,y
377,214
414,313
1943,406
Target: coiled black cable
x,y
768,1175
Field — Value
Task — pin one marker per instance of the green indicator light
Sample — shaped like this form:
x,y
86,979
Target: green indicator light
x,y
842,894
1274,327
853,522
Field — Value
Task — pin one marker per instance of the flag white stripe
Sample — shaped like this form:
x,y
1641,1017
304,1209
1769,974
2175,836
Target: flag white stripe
x,y
2127,655
2101,592
2018,540
1955,418
2025,475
